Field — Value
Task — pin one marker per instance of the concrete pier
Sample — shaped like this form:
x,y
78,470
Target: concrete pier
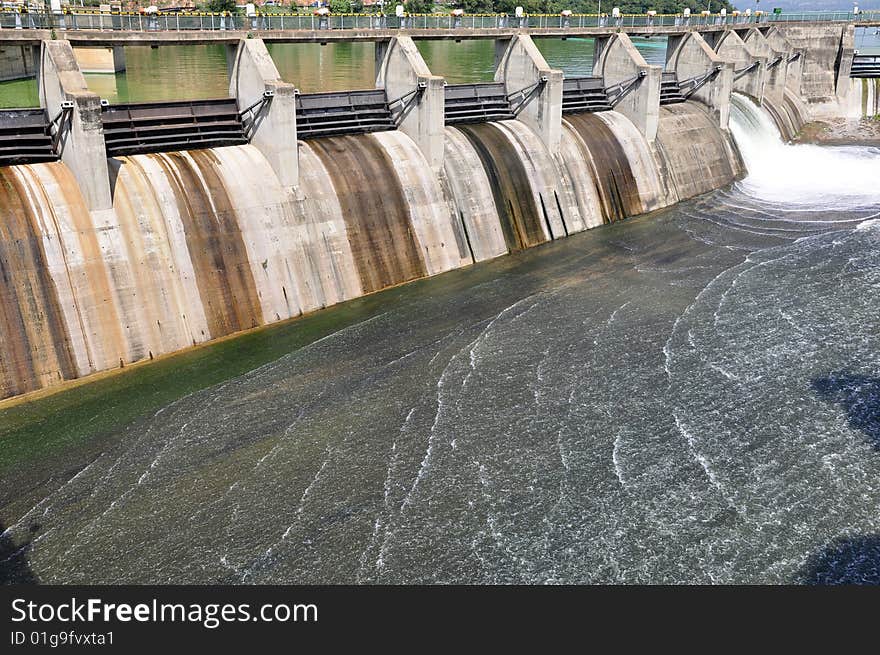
x,y
794,64
525,72
500,48
731,47
420,97
825,62
255,78
843,63
83,147
101,60
619,61
775,69
690,56
18,61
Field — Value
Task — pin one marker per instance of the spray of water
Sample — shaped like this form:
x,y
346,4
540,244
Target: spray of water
x,y
820,177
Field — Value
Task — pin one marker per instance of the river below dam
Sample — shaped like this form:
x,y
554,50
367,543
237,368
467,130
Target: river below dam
x,y
690,396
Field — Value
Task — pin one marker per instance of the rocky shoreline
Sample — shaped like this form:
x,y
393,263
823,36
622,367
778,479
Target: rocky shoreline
x,y
841,132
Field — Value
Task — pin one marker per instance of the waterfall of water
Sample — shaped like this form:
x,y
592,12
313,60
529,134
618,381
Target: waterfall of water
x,y
819,176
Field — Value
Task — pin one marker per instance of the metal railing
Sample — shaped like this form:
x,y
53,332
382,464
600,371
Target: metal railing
x,y
201,21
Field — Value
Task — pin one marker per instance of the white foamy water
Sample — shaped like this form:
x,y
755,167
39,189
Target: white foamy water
x,y
804,175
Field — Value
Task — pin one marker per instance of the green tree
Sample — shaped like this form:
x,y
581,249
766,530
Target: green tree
x,y
419,6
221,5
477,6
217,6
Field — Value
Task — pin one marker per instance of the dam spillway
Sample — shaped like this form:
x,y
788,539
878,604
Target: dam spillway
x,y
195,245
192,252
687,395
680,397
159,248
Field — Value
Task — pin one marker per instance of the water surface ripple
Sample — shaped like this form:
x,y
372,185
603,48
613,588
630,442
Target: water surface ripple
x,y
690,396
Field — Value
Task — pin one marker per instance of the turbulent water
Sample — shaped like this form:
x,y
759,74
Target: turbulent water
x,y
690,396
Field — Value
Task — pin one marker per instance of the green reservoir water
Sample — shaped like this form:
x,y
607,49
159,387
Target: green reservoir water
x,y
19,93
196,72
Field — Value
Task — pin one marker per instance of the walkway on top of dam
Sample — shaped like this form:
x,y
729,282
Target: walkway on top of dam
x,y
180,29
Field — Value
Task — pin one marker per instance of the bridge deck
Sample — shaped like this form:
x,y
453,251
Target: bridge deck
x,y
195,37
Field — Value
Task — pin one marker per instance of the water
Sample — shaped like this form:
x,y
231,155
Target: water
x,y
332,67
196,72
19,93
166,73
193,72
799,175
690,396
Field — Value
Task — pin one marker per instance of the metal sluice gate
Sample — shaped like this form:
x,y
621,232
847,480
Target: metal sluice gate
x,y
148,127
673,90
343,112
865,66
670,89
589,94
29,136
584,94
477,103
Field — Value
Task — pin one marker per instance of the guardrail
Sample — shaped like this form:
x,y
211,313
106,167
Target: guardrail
x,y
201,21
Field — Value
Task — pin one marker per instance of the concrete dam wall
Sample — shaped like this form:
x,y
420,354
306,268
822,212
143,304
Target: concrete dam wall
x,y
16,62
205,243
112,260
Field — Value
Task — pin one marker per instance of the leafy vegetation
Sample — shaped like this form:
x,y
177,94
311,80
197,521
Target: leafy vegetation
x,y
346,6
419,6
217,6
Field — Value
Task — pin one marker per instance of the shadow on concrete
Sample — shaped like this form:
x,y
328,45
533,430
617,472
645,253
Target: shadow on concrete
x,y
849,560
14,565
859,396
